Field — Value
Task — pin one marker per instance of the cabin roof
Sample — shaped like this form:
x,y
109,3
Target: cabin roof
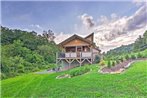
x,y
77,37
90,35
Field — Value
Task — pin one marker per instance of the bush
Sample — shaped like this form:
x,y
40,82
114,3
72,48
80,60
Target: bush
x,y
97,59
127,57
2,76
117,61
133,57
35,69
121,59
79,71
113,63
102,63
20,71
139,55
109,64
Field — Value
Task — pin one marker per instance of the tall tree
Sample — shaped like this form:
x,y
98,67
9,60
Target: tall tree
x,y
49,35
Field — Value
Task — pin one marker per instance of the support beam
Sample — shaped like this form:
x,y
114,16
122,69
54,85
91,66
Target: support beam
x,y
56,58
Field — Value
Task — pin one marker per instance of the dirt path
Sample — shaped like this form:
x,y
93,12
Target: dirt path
x,y
120,67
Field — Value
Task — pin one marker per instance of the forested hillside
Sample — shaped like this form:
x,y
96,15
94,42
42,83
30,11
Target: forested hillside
x,y
23,51
139,45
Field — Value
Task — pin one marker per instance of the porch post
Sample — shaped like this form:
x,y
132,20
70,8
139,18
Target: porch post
x,y
56,58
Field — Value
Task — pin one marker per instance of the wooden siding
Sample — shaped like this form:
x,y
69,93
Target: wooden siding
x,y
76,42
90,38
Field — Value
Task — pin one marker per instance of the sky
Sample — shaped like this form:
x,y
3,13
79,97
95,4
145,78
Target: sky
x,y
114,23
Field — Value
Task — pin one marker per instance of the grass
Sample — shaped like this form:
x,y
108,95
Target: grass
x,y
130,84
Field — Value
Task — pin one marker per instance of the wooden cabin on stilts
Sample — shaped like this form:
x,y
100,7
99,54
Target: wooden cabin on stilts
x,y
77,51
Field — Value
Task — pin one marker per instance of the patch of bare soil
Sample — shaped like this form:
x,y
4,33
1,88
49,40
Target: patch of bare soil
x,y
120,67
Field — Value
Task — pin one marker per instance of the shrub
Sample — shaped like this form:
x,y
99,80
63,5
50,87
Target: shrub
x,y
20,71
113,63
35,69
127,57
97,59
121,59
102,63
79,71
139,55
2,76
117,61
133,57
109,64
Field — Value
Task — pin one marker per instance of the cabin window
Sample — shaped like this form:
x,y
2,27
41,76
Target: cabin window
x,y
70,49
86,49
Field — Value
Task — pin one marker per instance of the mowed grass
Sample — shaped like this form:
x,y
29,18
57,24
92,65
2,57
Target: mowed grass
x,y
130,84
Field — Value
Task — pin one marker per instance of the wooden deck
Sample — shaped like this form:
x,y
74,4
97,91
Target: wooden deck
x,y
80,57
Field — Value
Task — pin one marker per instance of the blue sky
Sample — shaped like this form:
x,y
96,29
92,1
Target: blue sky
x,y
113,23
58,16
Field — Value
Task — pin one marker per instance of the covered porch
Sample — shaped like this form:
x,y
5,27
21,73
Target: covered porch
x,y
72,54
76,52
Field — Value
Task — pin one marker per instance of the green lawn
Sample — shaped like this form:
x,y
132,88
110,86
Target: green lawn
x,y
130,84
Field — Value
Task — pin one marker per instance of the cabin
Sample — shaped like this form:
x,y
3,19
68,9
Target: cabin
x,y
77,51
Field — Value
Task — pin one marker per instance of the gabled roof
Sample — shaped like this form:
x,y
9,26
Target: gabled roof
x,y
74,37
90,35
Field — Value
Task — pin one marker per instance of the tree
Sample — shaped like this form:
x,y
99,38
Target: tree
x,y
49,35
48,52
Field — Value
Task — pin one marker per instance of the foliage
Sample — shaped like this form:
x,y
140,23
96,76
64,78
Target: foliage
x,y
127,57
121,59
49,35
102,63
48,52
79,71
133,56
113,63
141,43
109,64
24,52
117,61
97,59
125,50
139,55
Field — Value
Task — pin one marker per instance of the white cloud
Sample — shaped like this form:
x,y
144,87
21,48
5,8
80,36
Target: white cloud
x,y
60,37
114,16
111,32
36,26
122,31
87,20
139,2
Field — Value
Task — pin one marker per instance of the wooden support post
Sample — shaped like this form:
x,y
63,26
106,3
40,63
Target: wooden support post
x,y
56,58
80,58
91,56
69,65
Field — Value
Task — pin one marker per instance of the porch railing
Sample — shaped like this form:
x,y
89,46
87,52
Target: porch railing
x,y
74,55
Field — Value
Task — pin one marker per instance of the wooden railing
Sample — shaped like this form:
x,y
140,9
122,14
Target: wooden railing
x,y
74,55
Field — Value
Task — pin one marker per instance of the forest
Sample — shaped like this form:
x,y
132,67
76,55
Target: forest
x,y
24,52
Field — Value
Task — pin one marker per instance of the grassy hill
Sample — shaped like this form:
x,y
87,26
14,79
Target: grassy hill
x,y
130,84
